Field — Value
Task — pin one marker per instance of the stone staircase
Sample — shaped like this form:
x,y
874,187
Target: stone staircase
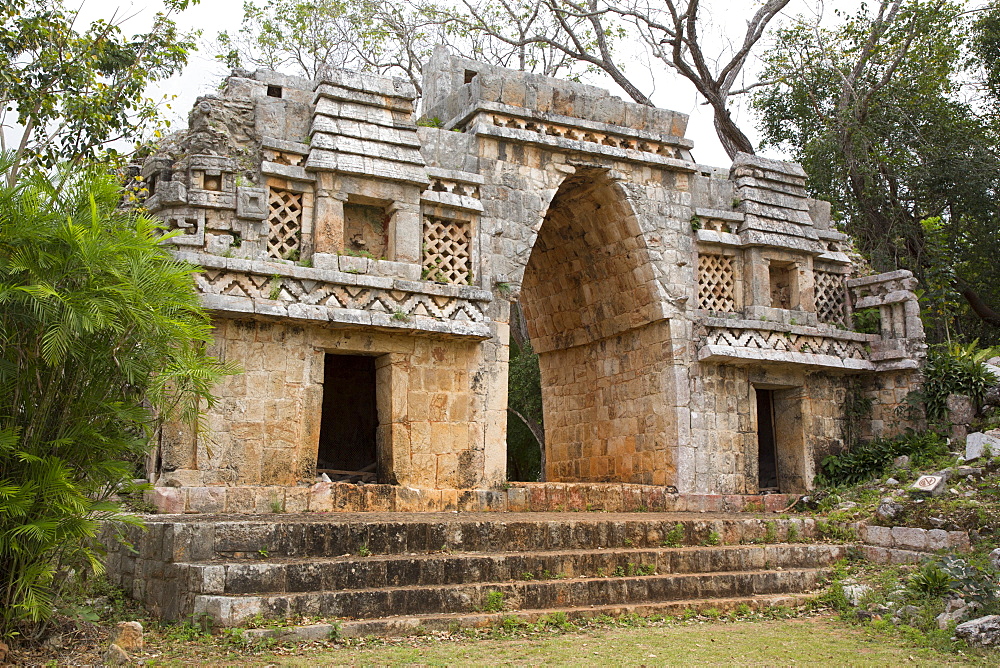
x,y
391,573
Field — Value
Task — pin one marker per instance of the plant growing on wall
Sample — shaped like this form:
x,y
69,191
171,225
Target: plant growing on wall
x,y
101,334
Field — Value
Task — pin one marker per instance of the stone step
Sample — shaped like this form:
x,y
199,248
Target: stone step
x,y
417,624
345,572
203,538
369,603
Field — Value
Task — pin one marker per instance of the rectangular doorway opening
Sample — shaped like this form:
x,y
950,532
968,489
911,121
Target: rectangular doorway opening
x,y
767,446
348,425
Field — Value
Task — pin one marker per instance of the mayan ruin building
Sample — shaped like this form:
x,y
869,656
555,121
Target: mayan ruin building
x,y
693,324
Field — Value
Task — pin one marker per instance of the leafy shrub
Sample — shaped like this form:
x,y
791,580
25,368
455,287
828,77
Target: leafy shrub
x,y
868,321
100,328
494,601
867,460
974,584
931,580
954,369
674,537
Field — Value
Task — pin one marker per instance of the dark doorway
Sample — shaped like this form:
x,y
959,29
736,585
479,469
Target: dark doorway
x,y
349,421
767,460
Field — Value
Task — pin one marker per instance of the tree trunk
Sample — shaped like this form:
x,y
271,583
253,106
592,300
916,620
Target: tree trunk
x,y
981,308
539,434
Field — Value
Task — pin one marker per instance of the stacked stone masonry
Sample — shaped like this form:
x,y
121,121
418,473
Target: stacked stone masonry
x,y
693,326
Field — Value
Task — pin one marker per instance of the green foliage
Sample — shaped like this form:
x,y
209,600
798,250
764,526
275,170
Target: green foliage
x,y
973,583
954,369
674,537
930,580
770,532
867,460
494,601
73,88
713,538
101,333
881,109
524,399
868,321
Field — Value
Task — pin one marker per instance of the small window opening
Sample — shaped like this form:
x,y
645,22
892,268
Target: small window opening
x,y
767,450
151,185
213,182
366,230
781,285
349,421
470,75
274,91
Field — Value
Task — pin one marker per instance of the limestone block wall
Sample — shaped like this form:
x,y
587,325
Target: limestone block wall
x,y
436,409
809,425
614,419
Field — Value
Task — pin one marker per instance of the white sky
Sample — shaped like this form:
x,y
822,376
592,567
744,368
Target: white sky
x,y
203,74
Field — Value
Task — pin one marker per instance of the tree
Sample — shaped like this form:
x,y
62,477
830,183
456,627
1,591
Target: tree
x,y
671,32
875,110
67,93
525,429
101,334
378,36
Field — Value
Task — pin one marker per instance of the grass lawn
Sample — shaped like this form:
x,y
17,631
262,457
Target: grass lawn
x,y
814,641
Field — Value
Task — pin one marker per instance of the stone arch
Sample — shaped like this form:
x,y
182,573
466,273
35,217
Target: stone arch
x,y
594,315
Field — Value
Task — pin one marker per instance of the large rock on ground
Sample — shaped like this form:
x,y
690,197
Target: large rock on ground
x,y
128,636
981,632
978,442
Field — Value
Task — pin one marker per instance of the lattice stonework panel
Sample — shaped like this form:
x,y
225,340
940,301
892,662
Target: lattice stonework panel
x,y
716,283
447,250
284,221
831,298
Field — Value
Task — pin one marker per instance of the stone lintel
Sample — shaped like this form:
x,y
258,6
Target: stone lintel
x,y
835,257
452,200
455,175
784,167
828,332
284,146
342,94
722,238
367,167
284,171
719,214
736,355
479,107
563,144
229,306
879,278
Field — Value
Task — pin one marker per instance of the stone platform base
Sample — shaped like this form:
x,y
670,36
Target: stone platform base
x,y
380,571
517,497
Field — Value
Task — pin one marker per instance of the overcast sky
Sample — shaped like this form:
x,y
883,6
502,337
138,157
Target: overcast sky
x,y
203,74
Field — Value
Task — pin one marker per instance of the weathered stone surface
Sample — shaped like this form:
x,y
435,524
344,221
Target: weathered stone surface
x,y
128,636
961,409
978,444
855,592
116,656
980,632
888,508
